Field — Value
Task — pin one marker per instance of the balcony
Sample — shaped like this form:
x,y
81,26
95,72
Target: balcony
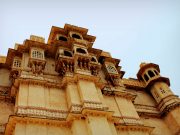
x,y
65,65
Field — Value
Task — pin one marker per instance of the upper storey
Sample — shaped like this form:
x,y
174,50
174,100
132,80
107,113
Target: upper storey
x,y
67,53
72,52
69,35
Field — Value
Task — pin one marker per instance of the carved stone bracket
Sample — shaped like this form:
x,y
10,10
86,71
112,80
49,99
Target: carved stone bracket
x,y
14,74
37,65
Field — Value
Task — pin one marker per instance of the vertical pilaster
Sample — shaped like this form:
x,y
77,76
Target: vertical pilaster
x,y
98,125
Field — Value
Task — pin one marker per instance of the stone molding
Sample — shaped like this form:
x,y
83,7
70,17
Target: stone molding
x,y
41,112
13,120
133,83
109,91
127,120
135,128
145,110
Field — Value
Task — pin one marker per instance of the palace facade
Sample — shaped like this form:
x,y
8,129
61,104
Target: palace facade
x,y
67,87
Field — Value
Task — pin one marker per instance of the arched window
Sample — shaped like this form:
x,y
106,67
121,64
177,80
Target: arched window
x,y
79,50
93,59
37,54
150,73
156,72
66,53
76,36
17,63
62,38
146,77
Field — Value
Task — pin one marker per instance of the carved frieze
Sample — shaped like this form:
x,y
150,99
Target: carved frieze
x,y
41,112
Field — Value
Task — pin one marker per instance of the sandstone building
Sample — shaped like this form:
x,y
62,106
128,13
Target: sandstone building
x,y
67,87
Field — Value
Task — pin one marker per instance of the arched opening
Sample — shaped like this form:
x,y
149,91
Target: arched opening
x,y
156,72
146,77
93,59
62,38
76,36
151,74
79,50
66,53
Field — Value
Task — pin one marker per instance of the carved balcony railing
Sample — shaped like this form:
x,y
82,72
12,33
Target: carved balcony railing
x,y
80,41
65,65
82,63
95,68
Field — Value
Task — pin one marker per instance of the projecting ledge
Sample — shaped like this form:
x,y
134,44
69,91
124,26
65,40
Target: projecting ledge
x,y
135,128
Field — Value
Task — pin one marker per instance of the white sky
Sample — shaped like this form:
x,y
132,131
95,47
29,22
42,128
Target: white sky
x,y
134,31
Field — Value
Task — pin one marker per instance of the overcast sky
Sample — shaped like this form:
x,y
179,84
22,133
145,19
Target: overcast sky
x,y
134,31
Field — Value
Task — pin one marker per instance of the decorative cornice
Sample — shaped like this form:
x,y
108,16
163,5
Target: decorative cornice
x,y
13,120
135,84
109,91
146,110
92,112
41,112
135,128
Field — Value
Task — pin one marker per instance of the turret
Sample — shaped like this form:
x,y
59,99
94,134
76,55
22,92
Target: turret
x,y
158,86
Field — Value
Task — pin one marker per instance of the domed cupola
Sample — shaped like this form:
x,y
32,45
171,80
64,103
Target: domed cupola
x,y
150,74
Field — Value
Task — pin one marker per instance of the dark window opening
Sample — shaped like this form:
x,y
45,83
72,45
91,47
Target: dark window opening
x,y
151,74
146,77
141,79
162,91
66,53
93,59
76,36
62,38
79,50
156,72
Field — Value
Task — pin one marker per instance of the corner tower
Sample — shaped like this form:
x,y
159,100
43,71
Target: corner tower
x,y
159,87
